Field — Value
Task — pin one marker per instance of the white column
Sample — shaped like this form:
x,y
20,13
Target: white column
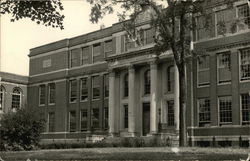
x,y
153,98
176,97
112,129
131,104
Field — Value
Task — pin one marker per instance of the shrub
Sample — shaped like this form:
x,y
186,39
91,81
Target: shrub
x,y
20,130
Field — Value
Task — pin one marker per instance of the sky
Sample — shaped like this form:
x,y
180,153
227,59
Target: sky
x,y
18,37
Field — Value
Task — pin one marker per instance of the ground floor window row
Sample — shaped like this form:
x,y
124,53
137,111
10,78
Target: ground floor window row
x,y
16,98
82,121
224,110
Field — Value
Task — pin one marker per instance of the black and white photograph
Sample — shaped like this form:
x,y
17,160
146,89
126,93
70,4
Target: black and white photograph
x,y
137,80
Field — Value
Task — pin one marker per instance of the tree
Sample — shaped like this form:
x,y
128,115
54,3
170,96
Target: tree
x,y
177,14
46,12
20,130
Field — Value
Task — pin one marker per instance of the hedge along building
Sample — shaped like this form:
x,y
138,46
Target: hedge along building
x,y
103,84
13,92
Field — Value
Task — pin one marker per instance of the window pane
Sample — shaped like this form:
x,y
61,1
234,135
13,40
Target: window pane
x,y
106,85
204,112
42,95
126,85
52,92
245,64
224,67
245,109
96,53
170,111
84,89
85,56
203,70
73,90
150,33
108,48
244,16
95,118
170,78
106,117
223,24
72,121
51,122
147,82
74,59
84,119
95,87
125,116
225,104
16,99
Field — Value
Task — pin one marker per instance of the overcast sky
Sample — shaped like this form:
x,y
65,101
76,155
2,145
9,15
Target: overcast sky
x,y
18,37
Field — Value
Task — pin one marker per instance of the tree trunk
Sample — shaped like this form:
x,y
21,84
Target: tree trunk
x,y
182,103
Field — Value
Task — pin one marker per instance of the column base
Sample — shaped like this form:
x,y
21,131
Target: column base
x,y
153,133
133,134
113,135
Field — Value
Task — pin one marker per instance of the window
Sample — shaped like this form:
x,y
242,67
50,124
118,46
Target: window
x,y
204,112
51,122
244,16
202,29
16,98
2,91
129,43
84,119
106,117
96,53
170,114
203,71
95,118
245,109
125,116
106,85
150,35
95,87
74,56
225,107
170,79
108,48
85,56
84,89
72,121
147,82
224,22
52,93
125,85
224,67
245,64
73,90
42,95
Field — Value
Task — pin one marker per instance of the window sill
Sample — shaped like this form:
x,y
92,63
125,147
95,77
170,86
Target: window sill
x,y
73,102
86,100
52,104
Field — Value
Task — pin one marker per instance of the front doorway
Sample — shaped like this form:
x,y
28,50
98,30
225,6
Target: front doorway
x,y
145,119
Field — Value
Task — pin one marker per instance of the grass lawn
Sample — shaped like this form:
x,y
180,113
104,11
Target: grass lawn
x,y
154,153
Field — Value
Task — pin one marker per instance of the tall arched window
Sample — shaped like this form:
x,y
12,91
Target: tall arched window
x,y
170,78
2,91
125,81
16,98
147,82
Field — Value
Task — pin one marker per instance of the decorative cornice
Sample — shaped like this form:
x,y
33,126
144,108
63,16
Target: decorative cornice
x,y
227,46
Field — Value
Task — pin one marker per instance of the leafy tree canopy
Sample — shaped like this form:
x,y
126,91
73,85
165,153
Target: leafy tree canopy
x,y
46,12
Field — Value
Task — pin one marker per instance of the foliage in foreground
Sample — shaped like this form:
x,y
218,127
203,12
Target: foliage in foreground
x,y
20,130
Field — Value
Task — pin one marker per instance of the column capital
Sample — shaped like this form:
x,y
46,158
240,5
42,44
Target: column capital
x,y
131,67
153,62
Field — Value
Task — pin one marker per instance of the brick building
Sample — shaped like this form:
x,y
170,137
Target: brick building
x,y
101,83
13,92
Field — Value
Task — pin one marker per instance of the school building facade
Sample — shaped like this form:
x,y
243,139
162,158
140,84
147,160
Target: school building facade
x,y
102,84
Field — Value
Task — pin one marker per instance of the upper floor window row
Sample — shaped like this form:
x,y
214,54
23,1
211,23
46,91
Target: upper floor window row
x,y
223,22
90,54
